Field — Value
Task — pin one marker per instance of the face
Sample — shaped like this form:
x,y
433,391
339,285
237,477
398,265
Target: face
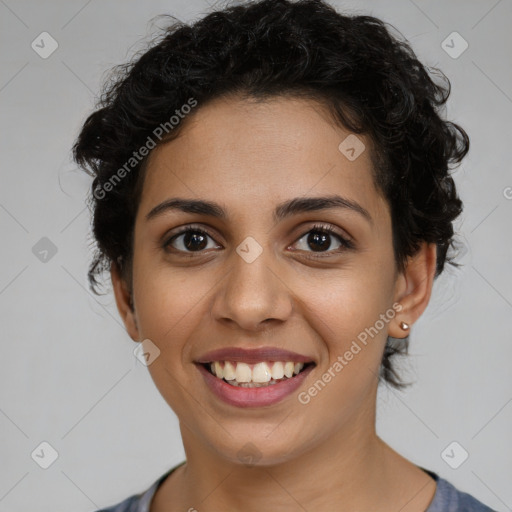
x,y
252,274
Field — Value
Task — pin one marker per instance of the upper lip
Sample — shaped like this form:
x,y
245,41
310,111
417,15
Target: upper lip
x,y
252,355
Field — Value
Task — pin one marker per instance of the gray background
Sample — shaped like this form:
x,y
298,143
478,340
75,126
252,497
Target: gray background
x,y
68,373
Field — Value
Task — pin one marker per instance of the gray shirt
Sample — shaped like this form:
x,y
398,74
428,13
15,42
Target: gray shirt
x,y
446,498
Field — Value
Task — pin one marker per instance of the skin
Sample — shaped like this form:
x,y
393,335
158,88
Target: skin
x,y
321,456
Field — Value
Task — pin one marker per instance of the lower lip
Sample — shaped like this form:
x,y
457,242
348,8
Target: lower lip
x,y
253,397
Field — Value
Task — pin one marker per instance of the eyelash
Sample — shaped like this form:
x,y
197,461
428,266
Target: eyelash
x,y
322,228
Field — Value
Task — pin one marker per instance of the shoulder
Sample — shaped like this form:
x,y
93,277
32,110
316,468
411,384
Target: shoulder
x,y
131,504
140,502
137,502
449,499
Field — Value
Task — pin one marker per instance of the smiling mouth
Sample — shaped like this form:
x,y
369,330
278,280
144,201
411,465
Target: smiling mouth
x,y
263,374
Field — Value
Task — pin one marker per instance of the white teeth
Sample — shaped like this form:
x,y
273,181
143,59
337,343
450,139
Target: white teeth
x,y
256,375
261,373
228,371
243,372
277,370
288,368
218,369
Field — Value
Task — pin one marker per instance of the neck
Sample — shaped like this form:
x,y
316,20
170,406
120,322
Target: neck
x,y
351,469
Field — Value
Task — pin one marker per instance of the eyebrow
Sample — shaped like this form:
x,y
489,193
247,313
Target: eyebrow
x,y
282,211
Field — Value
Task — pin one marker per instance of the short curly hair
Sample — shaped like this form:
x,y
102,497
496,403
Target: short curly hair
x,y
370,80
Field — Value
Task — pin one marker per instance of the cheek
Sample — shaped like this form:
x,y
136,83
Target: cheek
x,y
170,306
166,301
346,305
345,314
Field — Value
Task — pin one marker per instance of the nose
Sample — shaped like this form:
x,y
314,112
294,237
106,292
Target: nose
x,y
253,296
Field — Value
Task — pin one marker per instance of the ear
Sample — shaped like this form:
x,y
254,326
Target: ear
x,y
414,288
124,303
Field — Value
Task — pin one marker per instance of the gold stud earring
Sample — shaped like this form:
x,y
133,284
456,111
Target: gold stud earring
x,y
404,326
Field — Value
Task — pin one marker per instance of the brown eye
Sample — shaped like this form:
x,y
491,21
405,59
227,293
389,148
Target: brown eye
x,y
190,240
320,239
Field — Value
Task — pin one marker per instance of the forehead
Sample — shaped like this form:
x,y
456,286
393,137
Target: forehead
x,y
247,153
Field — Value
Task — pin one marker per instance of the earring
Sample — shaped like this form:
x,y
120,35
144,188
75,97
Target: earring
x,y
404,326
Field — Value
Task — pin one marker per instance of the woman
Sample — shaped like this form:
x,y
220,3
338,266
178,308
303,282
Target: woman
x,y
273,201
